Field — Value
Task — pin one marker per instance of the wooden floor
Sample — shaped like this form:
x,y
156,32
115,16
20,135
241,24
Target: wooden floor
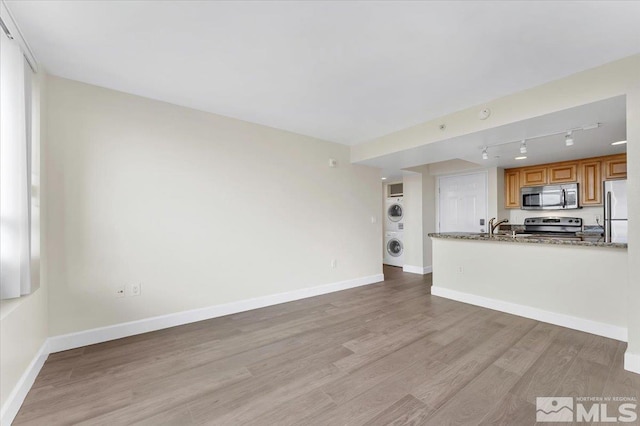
x,y
382,354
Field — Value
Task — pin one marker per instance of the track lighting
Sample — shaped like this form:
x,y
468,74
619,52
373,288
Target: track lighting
x,y
568,139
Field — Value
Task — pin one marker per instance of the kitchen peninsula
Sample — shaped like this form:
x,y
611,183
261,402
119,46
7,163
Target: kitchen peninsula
x,y
578,283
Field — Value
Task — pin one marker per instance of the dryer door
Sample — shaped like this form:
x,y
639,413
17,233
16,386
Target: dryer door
x,y
394,247
394,212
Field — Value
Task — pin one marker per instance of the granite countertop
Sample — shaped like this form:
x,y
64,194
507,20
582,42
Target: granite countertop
x,y
585,239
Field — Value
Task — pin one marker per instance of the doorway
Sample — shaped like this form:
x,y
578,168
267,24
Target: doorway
x,y
462,203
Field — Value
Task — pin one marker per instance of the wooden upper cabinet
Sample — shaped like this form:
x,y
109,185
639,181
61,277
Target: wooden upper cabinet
x,y
563,172
590,182
615,167
588,172
512,189
533,176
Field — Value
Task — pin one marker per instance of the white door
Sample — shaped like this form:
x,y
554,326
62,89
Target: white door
x,y
462,203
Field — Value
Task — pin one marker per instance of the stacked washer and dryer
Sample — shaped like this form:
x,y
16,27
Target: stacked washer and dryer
x,y
393,232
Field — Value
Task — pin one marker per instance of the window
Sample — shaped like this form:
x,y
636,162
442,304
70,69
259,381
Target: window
x,y
17,171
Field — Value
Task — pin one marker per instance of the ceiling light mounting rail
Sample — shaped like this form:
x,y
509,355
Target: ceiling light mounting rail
x,y
568,139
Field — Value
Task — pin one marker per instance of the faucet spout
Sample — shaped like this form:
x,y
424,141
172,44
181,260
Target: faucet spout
x,y
494,226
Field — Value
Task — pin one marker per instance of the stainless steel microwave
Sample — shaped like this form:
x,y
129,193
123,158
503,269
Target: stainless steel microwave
x,y
549,197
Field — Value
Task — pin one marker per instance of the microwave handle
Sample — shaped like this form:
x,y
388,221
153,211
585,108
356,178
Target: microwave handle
x,y
564,198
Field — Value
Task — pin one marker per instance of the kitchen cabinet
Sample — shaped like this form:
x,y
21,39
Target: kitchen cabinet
x,y
533,176
590,182
589,173
563,173
512,189
615,167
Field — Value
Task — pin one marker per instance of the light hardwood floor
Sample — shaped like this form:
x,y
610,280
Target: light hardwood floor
x,y
382,354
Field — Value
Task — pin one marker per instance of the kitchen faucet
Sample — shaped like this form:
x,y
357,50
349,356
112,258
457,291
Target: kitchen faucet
x,y
494,226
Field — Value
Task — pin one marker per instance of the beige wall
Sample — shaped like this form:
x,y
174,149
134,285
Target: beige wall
x,y
420,210
198,208
23,331
413,231
572,282
633,188
429,194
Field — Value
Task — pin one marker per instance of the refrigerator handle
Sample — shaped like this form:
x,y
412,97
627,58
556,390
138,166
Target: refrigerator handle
x,y
607,218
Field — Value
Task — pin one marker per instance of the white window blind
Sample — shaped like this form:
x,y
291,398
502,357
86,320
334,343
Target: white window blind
x,y
15,172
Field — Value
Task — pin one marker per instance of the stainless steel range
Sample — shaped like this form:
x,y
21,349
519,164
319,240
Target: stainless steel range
x,y
562,227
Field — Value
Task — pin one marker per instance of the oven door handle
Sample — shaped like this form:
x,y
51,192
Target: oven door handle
x,y
564,198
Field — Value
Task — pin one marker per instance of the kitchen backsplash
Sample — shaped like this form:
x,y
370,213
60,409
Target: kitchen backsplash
x,y
587,214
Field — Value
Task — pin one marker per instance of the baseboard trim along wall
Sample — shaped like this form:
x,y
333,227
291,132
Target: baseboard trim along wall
x,y
417,269
103,334
580,324
632,362
118,331
20,391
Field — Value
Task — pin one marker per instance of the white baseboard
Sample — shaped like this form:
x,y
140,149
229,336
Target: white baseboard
x,y
118,331
19,393
632,362
103,334
581,324
417,269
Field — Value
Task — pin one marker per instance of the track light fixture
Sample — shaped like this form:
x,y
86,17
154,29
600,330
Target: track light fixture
x,y
568,139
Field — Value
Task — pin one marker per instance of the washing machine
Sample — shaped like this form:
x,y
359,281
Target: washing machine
x,y
393,248
394,217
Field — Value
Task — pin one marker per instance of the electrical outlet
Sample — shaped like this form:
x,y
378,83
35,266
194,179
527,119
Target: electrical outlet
x,y
374,219
598,219
135,289
460,270
334,263
120,291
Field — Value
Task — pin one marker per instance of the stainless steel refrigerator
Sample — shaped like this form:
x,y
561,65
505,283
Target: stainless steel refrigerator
x,y
615,211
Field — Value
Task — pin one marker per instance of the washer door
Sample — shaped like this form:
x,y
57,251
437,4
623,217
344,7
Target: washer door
x,y
394,247
394,212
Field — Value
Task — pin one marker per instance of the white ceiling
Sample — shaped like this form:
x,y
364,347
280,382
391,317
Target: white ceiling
x,y
341,71
610,113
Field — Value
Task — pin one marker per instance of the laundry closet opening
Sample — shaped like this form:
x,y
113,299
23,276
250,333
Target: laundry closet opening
x,y
393,224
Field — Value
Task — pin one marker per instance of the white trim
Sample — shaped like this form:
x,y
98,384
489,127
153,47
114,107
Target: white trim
x,y
417,269
118,331
632,362
19,393
581,324
103,334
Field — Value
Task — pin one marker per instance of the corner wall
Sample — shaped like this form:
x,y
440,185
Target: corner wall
x,y
199,209
632,358
413,232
